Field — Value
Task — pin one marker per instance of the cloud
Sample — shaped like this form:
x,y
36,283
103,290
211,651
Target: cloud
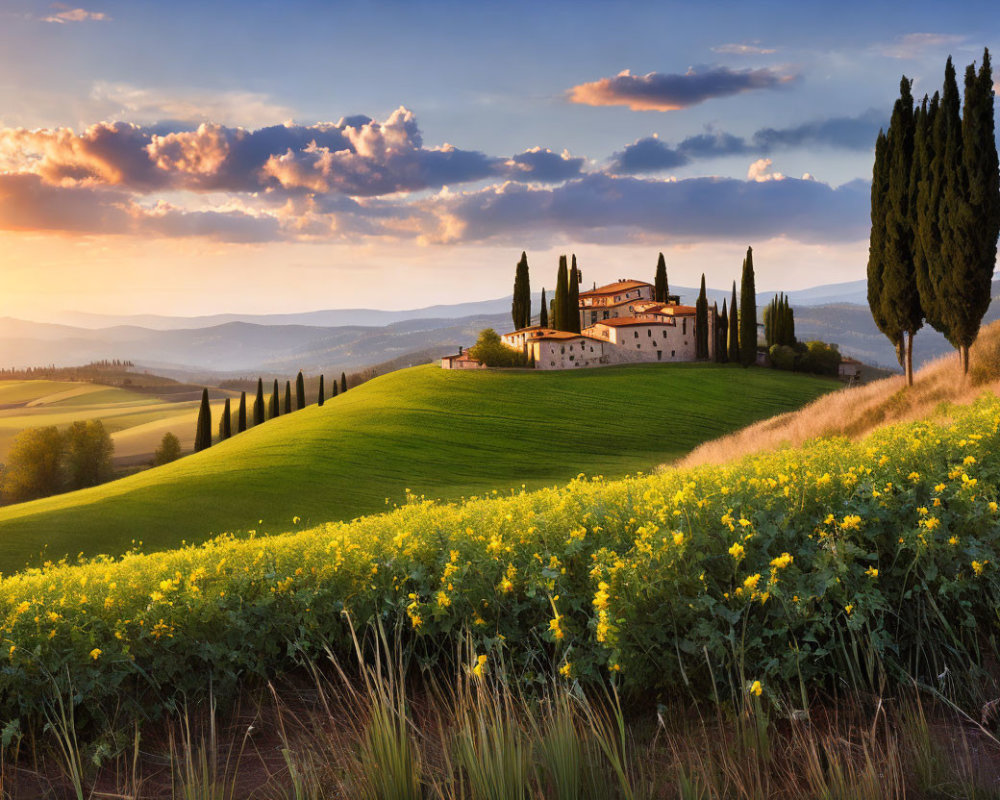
x,y
651,154
744,49
75,15
603,208
116,101
659,92
760,172
544,166
915,45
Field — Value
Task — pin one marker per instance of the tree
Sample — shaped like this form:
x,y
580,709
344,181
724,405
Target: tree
x,y
88,451
543,314
877,246
225,422
748,313
320,400
288,397
274,404
521,306
975,213
333,388
660,287
733,349
573,299
258,404
241,424
900,298
562,296
490,349
343,383
203,430
300,392
34,464
701,322
723,333
169,450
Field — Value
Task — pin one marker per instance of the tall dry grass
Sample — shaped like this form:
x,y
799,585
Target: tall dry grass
x,y
856,411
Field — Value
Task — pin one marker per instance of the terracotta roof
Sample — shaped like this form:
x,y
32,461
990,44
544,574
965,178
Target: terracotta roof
x,y
529,328
612,288
679,311
624,322
563,335
460,357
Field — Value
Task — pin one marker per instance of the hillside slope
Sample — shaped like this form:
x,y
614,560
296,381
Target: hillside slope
x,y
858,410
439,433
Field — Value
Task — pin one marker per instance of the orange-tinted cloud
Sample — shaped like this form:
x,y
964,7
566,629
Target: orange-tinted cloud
x,y
656,91
75,15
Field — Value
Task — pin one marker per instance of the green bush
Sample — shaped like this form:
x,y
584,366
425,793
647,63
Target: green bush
x,y
491,350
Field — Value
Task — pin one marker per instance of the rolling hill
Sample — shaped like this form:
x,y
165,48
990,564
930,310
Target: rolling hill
x,y
438,433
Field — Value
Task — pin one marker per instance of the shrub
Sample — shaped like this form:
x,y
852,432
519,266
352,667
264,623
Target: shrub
x,y
169,450
491,350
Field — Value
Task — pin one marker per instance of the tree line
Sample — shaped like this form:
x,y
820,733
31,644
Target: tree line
x,y
935,213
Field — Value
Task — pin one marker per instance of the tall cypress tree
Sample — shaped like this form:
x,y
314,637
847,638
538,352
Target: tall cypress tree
x,y
258,405
975,212
899,295
877,246
273,409
733,349
521,306
660,288
333,388
300,392
724,334
573,299
288,397
748,313
203,431
713,327
543,314
562,296
241,420
225,423
343,383
321,399
701,322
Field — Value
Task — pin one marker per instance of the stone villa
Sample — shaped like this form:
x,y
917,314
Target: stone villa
x,y
620,323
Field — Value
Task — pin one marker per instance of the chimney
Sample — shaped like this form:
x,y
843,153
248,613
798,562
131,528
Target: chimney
x,y
460,349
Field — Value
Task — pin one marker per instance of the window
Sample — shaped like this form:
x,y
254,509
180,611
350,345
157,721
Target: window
x,y
638,347
673,353
635,334
552,363
664,333
563,349
649,331
684,326
571,358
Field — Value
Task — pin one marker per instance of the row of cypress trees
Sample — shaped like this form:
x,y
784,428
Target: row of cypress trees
x,y
779,322
736,333
231,422
935,212
565,314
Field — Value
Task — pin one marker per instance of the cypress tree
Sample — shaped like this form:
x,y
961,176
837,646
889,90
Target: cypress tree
x,y
241,420
225,423
288,397
543,314
562,296
521,306
272,407
660,288
713,341
928,144
975,213
733,349
321,399
877,246
343,383
573,299
203,431
300,392
258,405
701,322
899,295
724,333
333,388
748,313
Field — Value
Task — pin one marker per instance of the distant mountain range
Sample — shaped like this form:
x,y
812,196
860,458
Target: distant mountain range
x,y
234,345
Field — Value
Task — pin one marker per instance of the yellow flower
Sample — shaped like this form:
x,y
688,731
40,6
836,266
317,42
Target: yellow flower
x,y
556,628
752,581
443,600
969,460
506,585
417,620
678,538
979,566
953,541
993,507
95,653
871,572
736,551
477,670
756,689
13,647
851,522
849,608
939,488
913,476
601,596
566,670
782,561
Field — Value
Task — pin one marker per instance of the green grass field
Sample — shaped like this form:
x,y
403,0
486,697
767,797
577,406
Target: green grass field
x,y
136,420
439,433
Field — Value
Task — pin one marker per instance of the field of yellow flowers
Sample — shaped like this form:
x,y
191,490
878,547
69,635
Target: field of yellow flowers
x,y
836,563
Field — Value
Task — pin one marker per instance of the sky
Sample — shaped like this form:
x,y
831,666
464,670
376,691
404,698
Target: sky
x,y
190,158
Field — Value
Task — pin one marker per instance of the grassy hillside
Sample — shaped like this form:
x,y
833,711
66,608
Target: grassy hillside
x,y
136,420
439,433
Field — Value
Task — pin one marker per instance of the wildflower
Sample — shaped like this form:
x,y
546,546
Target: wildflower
x,y
601,596
871,572
679,537
851,522
417,620
993,507
849,608
566,670
939,487
506,585
969,460
922,511
930,523
782,561
953,541
13,647
756,689
736,551
978,567
556,628
480,664
95,653
443,600
751,581
913,476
